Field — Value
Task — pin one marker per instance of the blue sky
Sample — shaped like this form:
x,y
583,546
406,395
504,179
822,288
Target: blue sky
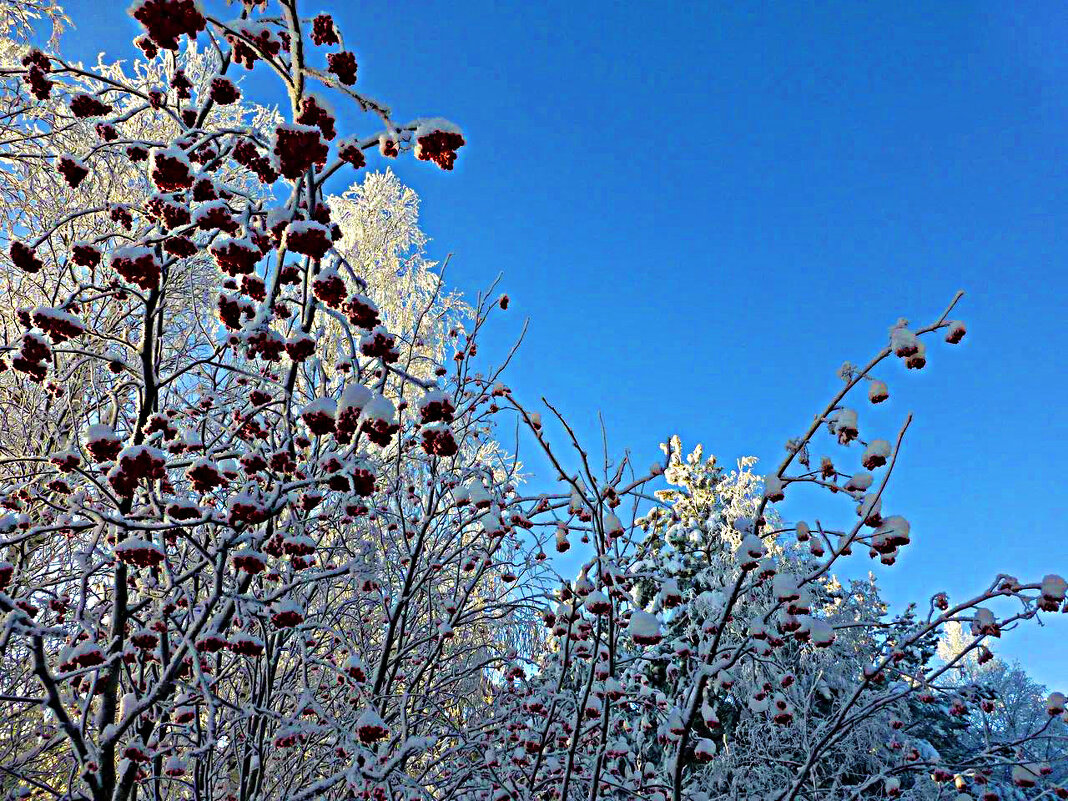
x,y
706,208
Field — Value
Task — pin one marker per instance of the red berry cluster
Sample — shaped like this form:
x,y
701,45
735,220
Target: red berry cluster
x,y
139,463
343,65
139,553
350,152
348,423
183,510
232,310
355,670
323,31
254,287
223,91
438,440
647,639
24,257
85,255
252,44
33,356
241,52
439,147
170,171
250,561
308,238
217,217
287,618
312,112
121,215
204,476
370,733
66,462
381,344
160,423
138,266
147,637
72,170
253,462
168,212
83,105
143,462
236,256
245,645
297,148
166,20
58,325
380,432
181,85
265,343
363,482
248,155
83,657
245,510
107,132
204,190
147,46
329,287
300,346
104,449
297,544
181,246
38,65
439,408
319,422
7,570
361,311
290,274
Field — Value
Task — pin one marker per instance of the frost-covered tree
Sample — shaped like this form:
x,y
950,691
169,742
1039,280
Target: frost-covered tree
x,y
1012,706
259,542
705,649
691,546
381,238
19,19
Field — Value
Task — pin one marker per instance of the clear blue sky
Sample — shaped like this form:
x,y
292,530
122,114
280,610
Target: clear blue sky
x,y
705,208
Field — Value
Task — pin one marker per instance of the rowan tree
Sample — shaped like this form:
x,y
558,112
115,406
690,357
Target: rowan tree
x,y
237,562
261,540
